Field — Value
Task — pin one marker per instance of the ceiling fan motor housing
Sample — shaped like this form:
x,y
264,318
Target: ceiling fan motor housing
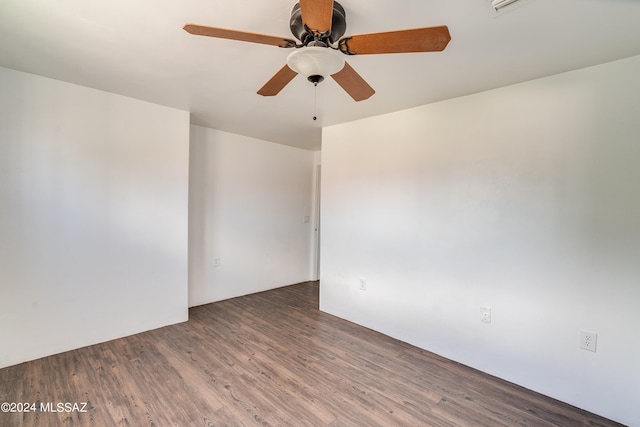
x,y
338,25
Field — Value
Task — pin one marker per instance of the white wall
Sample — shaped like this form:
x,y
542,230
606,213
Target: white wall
x,y
93,216
249,200
525,199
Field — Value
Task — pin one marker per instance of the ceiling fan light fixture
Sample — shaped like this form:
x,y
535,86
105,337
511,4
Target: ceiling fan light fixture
x,y
315,63
499,4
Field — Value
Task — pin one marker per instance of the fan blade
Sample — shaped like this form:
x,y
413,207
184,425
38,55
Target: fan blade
x,y
430,39
278,81
222,33
317,14
353,83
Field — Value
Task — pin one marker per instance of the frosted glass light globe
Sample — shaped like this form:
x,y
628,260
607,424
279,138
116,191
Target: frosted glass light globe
x,y
312,61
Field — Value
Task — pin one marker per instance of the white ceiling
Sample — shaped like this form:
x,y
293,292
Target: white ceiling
x,y
138,49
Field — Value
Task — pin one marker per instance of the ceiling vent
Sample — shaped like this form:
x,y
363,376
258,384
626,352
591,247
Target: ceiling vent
x,y
499,4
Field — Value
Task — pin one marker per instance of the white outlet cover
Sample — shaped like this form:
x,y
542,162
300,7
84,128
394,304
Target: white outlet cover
x,y
588,340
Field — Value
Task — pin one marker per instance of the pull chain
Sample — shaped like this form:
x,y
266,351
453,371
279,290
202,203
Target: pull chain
x,y
315,101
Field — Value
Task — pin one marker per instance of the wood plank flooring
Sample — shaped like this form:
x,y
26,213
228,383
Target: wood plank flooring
x,y
270,359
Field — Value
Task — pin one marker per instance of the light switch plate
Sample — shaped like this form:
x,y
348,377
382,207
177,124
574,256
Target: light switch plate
x,y
485,314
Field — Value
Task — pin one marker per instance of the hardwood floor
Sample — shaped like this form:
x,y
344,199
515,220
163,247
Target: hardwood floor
x,y
270,359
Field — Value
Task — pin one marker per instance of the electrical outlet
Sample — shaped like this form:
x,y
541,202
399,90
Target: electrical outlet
x,y
485,314
363,284
588,340
216,262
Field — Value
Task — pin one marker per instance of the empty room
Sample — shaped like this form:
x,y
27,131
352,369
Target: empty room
x,y
319,213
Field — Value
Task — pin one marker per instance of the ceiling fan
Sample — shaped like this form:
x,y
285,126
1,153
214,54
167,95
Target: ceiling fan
x,y
319,25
